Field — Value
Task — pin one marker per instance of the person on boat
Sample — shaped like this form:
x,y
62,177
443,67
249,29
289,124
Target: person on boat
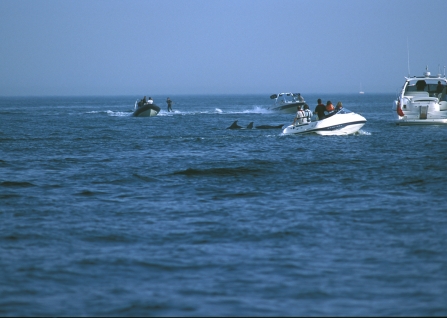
x,y
169,102
300,115
150,101
320,109
439,88
308,113
300,98
339,106
330,109
420,85
142,102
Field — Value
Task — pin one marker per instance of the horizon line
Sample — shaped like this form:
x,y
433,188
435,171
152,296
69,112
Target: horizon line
x,y
179,94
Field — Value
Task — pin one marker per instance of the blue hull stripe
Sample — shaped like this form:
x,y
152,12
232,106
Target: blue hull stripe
x,y
340,126
332,128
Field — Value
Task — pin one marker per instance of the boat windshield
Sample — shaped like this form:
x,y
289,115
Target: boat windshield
x,y
344,111
427,85
287,98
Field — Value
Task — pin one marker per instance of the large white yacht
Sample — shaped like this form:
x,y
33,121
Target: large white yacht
x,y
422,101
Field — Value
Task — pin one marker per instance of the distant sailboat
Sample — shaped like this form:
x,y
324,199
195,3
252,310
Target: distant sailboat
x,y
361,90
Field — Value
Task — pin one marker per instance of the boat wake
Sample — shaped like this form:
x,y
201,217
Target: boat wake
x,y
257,110
254,110
118,114
110,113
363,132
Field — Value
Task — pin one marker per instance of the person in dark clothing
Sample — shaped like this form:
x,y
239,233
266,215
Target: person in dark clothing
x,y
169,102
439,88
320,109
142,102
420,85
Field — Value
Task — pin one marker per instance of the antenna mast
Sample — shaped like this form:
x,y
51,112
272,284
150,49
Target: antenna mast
x,y
408,58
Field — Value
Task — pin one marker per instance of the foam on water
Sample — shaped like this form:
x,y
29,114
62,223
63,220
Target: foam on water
x,y
110,113
119,114
254,110
363,132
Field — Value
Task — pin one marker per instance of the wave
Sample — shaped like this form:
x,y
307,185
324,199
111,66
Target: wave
x,y
111,113
218,171
258,110
89,193
177,112
8,195
144,178
253,110
2,162
119,114
16,184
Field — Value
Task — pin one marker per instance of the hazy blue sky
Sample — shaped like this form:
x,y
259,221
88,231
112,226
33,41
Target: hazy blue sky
x,y
112,47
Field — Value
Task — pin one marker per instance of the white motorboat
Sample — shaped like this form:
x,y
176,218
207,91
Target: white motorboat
x,y
341,122
145,109
287,102
422,101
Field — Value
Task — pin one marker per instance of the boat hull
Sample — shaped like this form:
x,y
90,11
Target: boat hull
x,y
148,110
289,108
414,117
338,124
404,121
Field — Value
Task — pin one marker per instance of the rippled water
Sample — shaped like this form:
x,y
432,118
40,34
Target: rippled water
x,y
107,214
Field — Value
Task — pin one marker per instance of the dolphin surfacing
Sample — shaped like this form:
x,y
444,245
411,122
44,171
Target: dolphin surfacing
x,y
234,125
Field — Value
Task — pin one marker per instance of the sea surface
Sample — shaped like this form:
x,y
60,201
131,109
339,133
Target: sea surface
x,y
105,214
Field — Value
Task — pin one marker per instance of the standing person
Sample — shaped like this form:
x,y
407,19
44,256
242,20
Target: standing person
x,y
300,98
320,109
150,101
169,102
299,116
308,113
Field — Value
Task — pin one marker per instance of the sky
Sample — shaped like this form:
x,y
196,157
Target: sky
x,y
141,47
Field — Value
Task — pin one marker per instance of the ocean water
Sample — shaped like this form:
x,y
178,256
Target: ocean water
x,y
104,214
